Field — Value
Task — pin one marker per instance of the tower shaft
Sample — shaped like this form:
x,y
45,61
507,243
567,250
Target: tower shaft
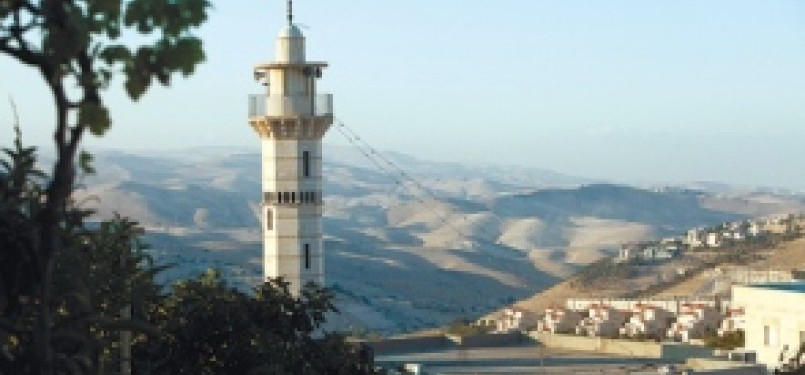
x,y
291,119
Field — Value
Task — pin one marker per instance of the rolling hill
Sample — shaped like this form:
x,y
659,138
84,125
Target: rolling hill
x,y
459,241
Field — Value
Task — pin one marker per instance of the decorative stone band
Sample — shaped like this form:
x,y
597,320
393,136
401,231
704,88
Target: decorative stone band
x,y
293,197
280,128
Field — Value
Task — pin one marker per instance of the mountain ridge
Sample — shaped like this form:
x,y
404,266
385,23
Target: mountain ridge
x,y
458,241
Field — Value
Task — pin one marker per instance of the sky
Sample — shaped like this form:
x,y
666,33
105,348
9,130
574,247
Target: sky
x,y
637,91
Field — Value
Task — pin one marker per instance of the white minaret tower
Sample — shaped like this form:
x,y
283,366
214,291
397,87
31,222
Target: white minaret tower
x,y
291,119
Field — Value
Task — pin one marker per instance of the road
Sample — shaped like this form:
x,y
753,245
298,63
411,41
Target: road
x,y
528,359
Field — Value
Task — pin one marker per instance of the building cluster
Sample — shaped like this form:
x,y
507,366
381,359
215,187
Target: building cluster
x,y
667,320
651,251
710,237
664,319
771,315
738,231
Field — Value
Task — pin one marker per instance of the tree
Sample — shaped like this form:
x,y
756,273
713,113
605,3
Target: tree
x,y
207,327
200,326
78,43
104,269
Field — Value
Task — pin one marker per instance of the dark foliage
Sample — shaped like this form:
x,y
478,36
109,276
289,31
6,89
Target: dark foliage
x,y
602,270
206,327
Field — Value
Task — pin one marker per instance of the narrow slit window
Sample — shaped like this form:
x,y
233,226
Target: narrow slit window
x,y
293,197
306,163
307,256
286,197
269,219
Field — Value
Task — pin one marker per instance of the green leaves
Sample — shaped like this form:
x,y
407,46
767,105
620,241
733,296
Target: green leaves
x,y
94,116
210,328
172,17
75,46
85,162
160,61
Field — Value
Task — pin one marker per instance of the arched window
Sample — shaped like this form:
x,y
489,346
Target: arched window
x,y
306,163
307,256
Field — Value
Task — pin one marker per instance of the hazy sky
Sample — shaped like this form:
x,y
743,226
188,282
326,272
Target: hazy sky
x,y
638,91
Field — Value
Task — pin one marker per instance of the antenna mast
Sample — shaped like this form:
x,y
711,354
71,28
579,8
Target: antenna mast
x,y
290,12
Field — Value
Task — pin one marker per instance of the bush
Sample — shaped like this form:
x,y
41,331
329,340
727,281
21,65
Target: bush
x,y
463,327
729,341
603,270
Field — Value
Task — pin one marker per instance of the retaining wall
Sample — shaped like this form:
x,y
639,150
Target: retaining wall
x,y
487,339
408,344
646,349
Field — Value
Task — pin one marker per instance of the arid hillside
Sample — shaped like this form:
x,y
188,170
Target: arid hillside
x,y
452,241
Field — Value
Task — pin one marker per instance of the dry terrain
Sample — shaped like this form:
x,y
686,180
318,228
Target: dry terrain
x,y
455,241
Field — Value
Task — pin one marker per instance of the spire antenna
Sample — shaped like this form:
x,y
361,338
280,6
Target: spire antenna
x,y
290,12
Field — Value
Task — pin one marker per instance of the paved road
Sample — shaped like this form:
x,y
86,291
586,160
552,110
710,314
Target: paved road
x,y
528,359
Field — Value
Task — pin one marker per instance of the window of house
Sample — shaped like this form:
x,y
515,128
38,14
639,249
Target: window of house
x,y
312,197
306,163
770,336
286,196
307,256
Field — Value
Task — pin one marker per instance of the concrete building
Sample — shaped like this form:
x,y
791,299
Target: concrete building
x,y
559,320
291,119
774,316
628,252
673,305
734,320
647,320
601,321
516,319
695,237
713,239
693,321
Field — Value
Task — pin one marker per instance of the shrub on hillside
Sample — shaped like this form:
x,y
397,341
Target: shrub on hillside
x,y
603,270
463,327
728,341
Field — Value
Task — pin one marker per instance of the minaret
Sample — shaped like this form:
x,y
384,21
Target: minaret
x,y
291,119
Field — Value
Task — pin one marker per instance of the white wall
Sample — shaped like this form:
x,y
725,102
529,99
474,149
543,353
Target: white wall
x,y
774,319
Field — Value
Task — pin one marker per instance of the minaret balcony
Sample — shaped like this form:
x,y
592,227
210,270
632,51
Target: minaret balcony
x,y
261,105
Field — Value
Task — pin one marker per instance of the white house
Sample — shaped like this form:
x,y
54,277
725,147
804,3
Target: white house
x,y
734,321
775,320
516,319
601,321
695,237
647,320
692,321
713,239
559,320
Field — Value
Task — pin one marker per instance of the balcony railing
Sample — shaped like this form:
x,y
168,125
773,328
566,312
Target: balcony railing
x,y
263,105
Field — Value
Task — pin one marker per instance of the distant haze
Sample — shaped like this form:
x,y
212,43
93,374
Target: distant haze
x,y
625,90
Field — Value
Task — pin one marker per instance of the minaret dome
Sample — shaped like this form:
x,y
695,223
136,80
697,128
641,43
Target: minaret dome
x,y
290,45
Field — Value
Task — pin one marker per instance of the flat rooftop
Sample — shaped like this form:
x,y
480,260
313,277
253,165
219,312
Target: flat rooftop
x,y
794,286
